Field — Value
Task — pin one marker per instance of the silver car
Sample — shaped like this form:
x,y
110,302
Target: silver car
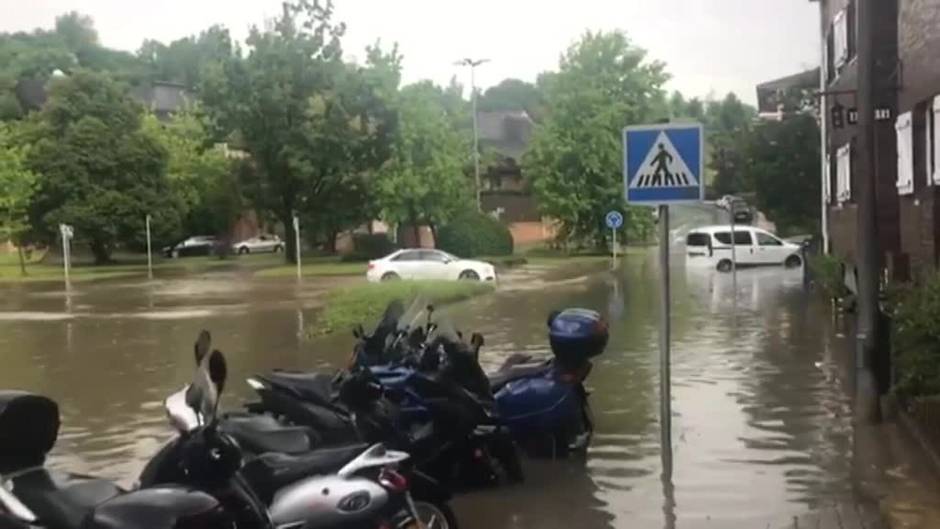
x,y
259,244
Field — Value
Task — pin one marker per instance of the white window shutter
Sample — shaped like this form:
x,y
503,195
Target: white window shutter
x,y
935,152
844,173
905,134
840,39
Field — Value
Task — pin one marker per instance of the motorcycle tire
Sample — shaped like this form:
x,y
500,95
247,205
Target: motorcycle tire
x,y
435,514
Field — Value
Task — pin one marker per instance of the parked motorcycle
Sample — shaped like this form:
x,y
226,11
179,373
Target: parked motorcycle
x,y
347,486
543,402
33,496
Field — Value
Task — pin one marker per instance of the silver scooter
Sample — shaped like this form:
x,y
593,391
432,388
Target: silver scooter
x,y
355,486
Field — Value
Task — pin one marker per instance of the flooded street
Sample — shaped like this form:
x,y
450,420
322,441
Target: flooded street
x,y
762,426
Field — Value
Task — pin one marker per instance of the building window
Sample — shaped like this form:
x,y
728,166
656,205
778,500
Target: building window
x,y
844,173
840,39
933,141
905,132
850,32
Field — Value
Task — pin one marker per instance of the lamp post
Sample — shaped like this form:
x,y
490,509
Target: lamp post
x,y
472,64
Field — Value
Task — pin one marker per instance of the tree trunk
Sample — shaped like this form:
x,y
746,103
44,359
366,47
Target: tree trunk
x,y
416,230
101,251
433,233
331,241
291,243
19,250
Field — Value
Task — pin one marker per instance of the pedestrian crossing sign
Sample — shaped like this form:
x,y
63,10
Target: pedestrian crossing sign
x,y
664,163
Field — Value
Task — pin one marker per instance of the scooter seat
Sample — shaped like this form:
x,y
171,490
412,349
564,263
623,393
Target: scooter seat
x,y
518,367
260,434
313,386
284,469
61,501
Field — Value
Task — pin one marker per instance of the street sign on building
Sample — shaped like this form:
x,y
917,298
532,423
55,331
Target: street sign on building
x,y
663,164
614,219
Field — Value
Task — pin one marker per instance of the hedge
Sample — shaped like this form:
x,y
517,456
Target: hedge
x,y
473,233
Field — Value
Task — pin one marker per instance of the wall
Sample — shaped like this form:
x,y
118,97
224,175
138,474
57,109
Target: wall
x,y
919,52
531,232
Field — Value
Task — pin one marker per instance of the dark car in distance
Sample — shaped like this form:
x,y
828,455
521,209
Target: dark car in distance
x,y
195,245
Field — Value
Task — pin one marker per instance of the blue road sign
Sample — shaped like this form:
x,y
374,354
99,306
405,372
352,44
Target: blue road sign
x,y
663,164
614,219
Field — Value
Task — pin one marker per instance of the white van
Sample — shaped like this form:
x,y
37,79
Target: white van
x,y
711,245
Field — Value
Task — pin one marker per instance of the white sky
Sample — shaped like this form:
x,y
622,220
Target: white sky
x,y
710,46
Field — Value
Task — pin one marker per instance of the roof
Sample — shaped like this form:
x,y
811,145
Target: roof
x,y
768,92
162,97
507,132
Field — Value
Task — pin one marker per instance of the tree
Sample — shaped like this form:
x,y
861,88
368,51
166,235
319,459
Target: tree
x,y
17,184
423,181
574,161
513,94
200,175
783,159
313,126
184,60
98,170
77,30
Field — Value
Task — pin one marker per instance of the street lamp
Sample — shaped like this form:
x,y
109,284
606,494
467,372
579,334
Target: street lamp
x,y
473,63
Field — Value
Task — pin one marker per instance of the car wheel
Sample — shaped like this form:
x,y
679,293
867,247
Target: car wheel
x,y
469,275
725,265
793,261
390,276
243,250
278,249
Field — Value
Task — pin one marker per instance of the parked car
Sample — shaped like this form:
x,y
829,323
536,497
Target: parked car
x,y
711,245
743,213
195,245
417,263
259,244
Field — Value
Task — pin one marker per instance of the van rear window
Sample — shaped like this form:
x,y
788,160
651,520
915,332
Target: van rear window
x,y
697,239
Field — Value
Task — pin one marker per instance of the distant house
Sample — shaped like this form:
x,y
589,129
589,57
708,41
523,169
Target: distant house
x,y
506,193
770,94
160,97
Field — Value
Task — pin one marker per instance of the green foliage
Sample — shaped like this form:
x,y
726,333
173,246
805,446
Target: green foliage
x,y
185,60
472,233
17,185
513,94
782,158
98,170
312,124
201,176
604,83
916,339
347,307
827,271
368,246
423,180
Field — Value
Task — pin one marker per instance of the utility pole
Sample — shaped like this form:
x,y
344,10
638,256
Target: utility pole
x,y
867,254
472,64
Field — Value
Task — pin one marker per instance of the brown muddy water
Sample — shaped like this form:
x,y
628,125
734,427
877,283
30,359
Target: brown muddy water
x,y
762,426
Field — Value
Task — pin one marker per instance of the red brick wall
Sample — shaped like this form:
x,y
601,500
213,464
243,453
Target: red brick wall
x,y
531,232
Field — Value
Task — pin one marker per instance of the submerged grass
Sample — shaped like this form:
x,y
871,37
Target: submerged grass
x,y
346,307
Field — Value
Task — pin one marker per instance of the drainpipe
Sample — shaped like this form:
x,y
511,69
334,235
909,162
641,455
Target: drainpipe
x,y
824,137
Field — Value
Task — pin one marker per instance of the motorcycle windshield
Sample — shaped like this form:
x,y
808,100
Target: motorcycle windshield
x,y
416,315
202,396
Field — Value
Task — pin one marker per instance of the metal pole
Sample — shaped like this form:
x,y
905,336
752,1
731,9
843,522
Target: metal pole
x,y
866,391
734,254
476,135
65,257
297,244
665,391
824,142
613,247
149,253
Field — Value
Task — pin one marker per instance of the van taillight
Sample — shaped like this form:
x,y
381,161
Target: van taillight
x,y
371,265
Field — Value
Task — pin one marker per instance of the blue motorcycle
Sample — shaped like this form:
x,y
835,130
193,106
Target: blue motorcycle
x,y
543,402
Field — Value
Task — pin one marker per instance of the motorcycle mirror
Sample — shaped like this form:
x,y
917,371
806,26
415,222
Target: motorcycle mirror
x,y
201,347
357,332
218,370
476,340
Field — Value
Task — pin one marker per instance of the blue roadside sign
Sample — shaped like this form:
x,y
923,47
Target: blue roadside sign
x,y
664,163
614,219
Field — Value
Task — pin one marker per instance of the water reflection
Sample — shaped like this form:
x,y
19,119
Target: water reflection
x,y
761,430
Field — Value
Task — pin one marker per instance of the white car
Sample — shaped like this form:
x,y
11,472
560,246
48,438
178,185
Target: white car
x,y
259,244
711,245
423,264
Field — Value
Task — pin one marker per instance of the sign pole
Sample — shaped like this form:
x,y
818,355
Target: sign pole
x,y
149,252
297,244
613,247
665,385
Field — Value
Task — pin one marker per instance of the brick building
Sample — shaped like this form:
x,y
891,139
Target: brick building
x,y
905,85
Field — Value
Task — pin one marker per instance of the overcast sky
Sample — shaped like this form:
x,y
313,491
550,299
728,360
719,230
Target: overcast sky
x,y
710,46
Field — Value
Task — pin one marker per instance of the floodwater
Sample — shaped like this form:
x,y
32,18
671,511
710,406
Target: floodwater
x,y
761,422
